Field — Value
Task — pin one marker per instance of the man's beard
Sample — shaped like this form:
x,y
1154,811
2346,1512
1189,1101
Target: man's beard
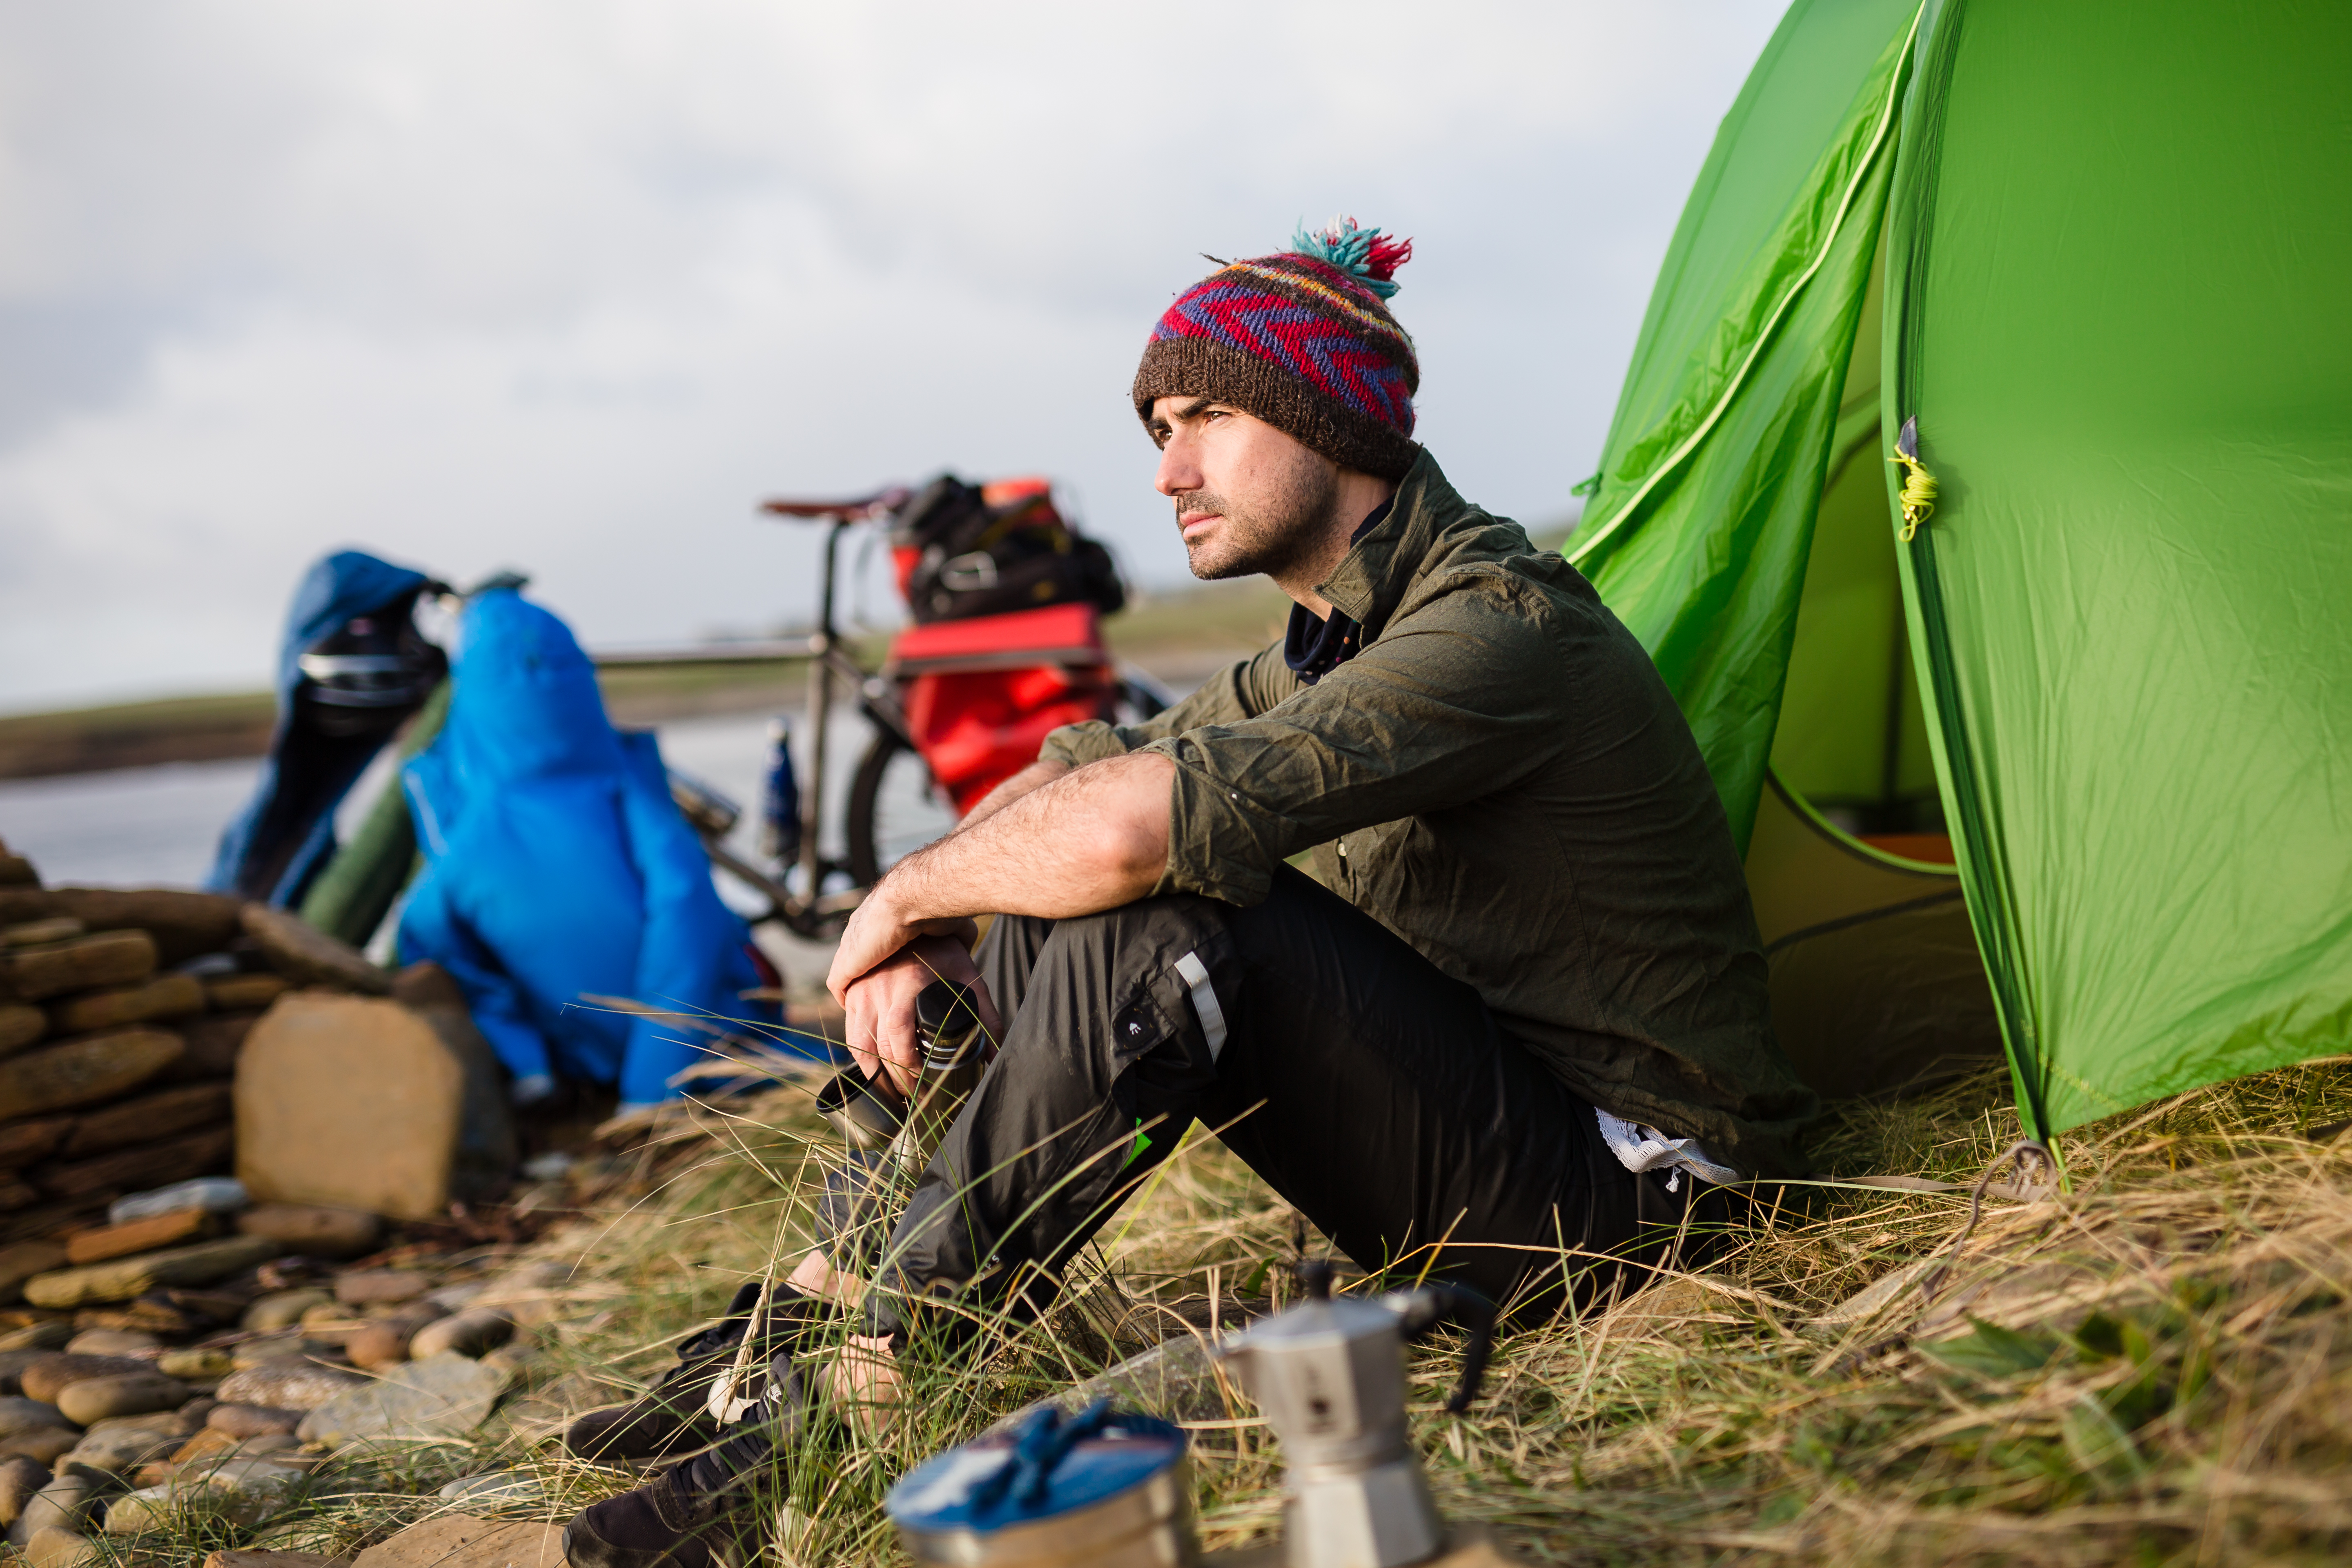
x,y
1270,539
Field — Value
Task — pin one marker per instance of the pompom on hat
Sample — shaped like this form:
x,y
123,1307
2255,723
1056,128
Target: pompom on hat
x,y
1303,340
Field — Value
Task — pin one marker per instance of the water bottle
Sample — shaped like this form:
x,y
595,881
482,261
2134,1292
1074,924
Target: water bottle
x,y
779,803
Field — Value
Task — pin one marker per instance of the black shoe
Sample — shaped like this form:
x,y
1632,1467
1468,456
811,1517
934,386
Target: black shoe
x,y
699,1514
671,1418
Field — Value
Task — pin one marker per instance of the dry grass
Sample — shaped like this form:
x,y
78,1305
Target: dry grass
x,y
2155,1367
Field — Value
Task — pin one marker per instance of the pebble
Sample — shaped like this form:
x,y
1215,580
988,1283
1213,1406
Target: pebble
x,y
195,1365
253,1420
243,1492
290,1385
473,1333
43,1336
20,1415
19,1479
94,1399
280,1348
51,1547
282,1309
215,1194
370,1286
115,1450
60,1505
270,1557
44,1445
111,1342
50,1375
312,1229
423,1400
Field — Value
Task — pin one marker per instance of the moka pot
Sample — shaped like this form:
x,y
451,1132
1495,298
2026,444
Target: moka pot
x,y
1330,1375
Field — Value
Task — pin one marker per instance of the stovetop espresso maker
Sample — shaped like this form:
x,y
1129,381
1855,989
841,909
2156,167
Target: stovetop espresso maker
x,y
1329,1374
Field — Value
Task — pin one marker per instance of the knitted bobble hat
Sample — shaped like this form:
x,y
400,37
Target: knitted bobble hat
x,y
1303,341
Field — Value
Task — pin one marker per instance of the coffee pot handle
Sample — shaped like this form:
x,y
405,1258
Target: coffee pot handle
x,y
1420,1311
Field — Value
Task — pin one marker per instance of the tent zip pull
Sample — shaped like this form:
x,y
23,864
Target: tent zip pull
x,y
1918,493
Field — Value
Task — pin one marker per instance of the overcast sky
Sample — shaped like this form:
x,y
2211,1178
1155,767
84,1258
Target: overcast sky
x,y
568,285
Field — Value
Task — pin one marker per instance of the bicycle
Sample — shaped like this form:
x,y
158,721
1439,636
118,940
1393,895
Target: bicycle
x,y
1046,665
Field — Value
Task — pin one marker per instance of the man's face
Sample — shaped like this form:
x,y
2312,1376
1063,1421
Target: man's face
x,y
1249,499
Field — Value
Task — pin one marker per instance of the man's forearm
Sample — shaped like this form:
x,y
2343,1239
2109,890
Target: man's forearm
x,y
1036,775
1082,841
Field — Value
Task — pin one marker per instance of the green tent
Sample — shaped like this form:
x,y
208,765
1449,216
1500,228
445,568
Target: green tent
x,y
2042,743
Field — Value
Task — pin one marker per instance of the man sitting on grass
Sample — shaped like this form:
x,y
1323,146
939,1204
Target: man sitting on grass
x,y
1511,1030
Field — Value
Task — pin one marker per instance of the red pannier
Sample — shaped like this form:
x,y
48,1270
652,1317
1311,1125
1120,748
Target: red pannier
x,y
981,693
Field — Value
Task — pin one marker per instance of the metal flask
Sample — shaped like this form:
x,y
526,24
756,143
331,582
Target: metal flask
x,y
1102,1489
954,1047
1330,1375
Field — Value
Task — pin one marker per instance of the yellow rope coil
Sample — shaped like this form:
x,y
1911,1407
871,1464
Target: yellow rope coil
x,y
1918,494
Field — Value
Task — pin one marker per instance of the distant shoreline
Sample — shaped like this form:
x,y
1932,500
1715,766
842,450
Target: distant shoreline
x,y
1177,638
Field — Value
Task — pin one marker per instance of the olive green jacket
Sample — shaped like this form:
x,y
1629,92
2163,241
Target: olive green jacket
x,y
1500,778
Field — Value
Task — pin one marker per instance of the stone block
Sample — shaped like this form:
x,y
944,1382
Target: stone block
x,y
125,1278
309,956
144,1118
84,1071
421,1401
163,996
314,1230
209,1044
86,1246
227,992
21,1024
486,1151
160,1163
350,1101
183,925
460,1541
77,963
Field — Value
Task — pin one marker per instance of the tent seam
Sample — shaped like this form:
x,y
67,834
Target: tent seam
x,y
1755,349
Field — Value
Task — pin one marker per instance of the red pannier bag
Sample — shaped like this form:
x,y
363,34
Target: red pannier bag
x,y
981,693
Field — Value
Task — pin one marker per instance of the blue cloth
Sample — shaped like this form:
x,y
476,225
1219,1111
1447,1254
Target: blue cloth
x,y
558,868
347,583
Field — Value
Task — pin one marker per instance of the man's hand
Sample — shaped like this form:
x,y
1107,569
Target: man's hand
x,y
881,1000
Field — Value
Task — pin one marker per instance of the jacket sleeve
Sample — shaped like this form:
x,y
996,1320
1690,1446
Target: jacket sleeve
x,y
433,931
1463,698
690,962
1239,692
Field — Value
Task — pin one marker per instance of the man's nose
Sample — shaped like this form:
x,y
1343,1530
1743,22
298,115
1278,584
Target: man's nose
x,y
1178,471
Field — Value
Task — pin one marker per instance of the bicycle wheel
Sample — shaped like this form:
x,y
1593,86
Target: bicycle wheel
x,y
894,808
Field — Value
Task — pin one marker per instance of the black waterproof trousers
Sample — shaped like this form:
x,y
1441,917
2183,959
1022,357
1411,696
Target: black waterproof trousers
x,y
1374,1094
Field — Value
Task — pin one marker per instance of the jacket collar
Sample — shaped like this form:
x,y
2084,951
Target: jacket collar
x,y
1372,578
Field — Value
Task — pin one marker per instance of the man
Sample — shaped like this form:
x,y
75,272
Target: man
x,y
1515,1021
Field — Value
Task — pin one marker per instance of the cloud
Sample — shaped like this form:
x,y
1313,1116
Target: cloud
x,y
569,285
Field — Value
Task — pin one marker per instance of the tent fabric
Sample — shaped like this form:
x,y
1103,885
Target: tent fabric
x,y
558,870
2096,255
1714,464
2116,269
286,832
